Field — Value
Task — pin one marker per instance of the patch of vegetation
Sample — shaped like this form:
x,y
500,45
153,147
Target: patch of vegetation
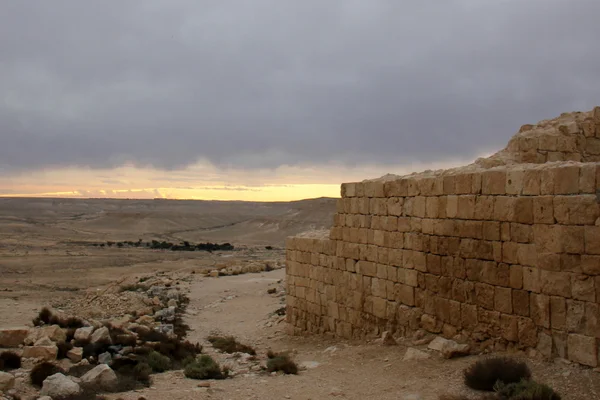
x,y
526,390
164,245
268,247
281,362
483,374
204,367
133,287
63,349
41,371
158,362
141,372
229,344
9,360
80,370
47,317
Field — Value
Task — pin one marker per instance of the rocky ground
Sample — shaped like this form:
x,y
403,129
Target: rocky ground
x,y
247,305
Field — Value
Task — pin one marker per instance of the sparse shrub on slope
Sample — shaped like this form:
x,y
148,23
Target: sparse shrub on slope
x,y
229,344
205,367
281,362
41,371
525,390
9,360
63,349
483,374
158,362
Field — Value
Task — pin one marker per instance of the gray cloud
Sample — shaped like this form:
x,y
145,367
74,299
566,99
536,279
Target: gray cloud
x,y
268,83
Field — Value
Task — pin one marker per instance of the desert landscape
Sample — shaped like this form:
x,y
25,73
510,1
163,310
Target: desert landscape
x,y
51,256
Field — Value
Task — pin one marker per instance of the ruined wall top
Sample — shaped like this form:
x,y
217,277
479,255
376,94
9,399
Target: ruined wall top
x,y
573,137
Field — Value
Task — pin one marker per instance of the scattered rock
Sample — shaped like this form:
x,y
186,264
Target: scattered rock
x,y
102,377
13,337
45,341
413,397
104,358
45,398
59,386
204,384
449,348
75,354
172,303
47,353
7,381
272,291
415,354
52,332
336,392
309,364
214,273
388,339
101,335
166,314
84,334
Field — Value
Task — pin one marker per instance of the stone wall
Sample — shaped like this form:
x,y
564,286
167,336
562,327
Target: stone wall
x,y
503,257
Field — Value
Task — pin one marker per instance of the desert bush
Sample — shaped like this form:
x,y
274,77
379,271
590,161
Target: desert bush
x,y
63,349
205,367
47,317
281,362
41,371
483,374
80,370
9,360
158,362
95,349
229,344
141,372
43,317
525,390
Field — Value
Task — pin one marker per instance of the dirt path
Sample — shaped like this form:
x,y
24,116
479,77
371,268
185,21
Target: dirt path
x,y
240,305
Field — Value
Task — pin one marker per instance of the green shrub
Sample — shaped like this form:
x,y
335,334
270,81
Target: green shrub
x,y
158,362
9,360
229,344
483,374
141,372
204,368
41,371
526,390
281,362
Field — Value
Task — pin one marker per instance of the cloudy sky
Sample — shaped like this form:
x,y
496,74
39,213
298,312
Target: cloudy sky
x,y
275,99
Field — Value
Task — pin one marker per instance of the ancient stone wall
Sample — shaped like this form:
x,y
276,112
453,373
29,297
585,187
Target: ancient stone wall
x,y
505,256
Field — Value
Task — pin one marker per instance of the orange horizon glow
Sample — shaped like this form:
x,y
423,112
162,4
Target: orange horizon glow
x,y
201,181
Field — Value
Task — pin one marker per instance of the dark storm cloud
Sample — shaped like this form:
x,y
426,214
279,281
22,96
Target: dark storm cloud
x,y
264,83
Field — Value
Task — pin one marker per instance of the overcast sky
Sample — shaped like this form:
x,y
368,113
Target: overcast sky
x,y
260,84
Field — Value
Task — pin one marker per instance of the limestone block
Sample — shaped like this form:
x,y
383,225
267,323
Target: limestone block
x,y
527,332
592,240
47,353
515,182
431,186
476,185
566,179
13,337
413,187
582,349
540,309
449,184
493,182
491,230
558,313
504,208
527,255
466,207
509,327
532,280
451,206
592,320
503,300
583,288
590,265
523,211
572,238
404,224
432,206
516,276
463,183
378,206
505,231
587,179
397,188
576,210
520,302
366,268
485,294
531,182
543,210
395,206
373,189
521,233
379,307
468,316
556,283
575,316
348,189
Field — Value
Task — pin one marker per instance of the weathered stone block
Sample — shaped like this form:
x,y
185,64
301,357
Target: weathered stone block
x,y
540,309
558,313
531,182
556,283
527,332
543,210
13,337
493,182
583,288
485,295
503,300
592,240
582,349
